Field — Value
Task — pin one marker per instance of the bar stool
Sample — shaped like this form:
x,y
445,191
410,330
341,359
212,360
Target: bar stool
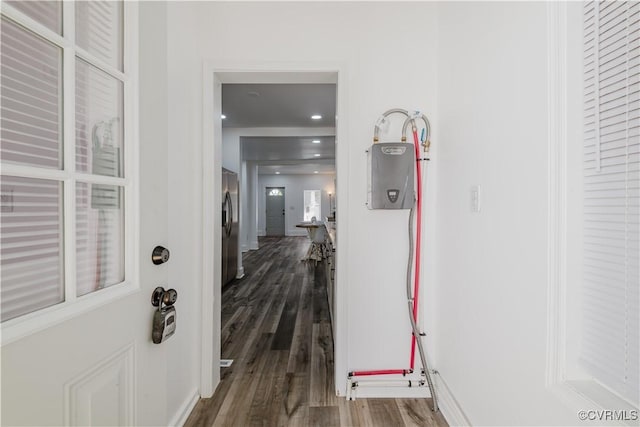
x,y
318,250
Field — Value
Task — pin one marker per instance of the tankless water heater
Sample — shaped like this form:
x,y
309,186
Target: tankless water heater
x,y
391,175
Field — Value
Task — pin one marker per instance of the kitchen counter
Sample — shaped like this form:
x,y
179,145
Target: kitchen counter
x,y
331,231
330,266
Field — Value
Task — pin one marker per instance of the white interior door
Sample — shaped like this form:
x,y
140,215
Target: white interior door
x,y
87,358
275,211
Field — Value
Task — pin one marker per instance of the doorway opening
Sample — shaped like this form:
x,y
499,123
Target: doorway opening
x,y
258,174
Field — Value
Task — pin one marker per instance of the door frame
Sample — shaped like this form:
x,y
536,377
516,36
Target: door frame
x,y
215,73
284,207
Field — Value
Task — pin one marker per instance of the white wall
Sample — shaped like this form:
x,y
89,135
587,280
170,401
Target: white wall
x,y
294,198
185,207
483,67
155,108
492,266
388,56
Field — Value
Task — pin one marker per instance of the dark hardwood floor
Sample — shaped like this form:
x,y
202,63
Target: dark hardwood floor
x,y
276,327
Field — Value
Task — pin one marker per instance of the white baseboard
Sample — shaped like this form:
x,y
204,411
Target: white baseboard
x,y
240,273
296,232
391,392
254,246
448,404
262,233
183,413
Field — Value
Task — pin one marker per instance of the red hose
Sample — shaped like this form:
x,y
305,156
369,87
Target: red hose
x,y
380,372
416,283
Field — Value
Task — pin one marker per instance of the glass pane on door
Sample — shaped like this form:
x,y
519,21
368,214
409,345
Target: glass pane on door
x,y
31,97
48,13
31,227
99,236
99,30
99,117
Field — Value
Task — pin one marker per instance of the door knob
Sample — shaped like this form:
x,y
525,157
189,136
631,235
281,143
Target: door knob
x,y
161,297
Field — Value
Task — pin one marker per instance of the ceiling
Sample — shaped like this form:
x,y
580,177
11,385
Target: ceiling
x,y
284,106
291,155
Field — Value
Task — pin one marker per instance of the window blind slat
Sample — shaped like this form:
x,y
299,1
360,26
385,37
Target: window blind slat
x,y
31,230
99,121
31,125
48,13
30,128
99,237
99,30
611,195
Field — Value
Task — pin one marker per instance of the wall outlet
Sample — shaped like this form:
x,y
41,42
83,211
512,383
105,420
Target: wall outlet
x,y
475,198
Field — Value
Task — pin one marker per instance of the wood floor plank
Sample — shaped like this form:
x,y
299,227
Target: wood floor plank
x,y
234,346
276,326
324,416
243,387
322,367
320,302
300,355
355,413
385,412
284,334
230,328
267,404
253,353
278,300
416,412
295,400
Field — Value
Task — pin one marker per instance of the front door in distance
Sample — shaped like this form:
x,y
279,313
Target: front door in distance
x,y
275,211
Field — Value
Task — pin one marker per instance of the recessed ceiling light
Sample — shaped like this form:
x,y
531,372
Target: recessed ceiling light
x,y
222,116
315,171
316,141
316,117
316,155
277,173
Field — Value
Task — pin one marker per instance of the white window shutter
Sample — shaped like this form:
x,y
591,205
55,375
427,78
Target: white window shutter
x,y
611,195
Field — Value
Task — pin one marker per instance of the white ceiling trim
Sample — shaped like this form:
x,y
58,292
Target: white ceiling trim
x,y
277,77
281,131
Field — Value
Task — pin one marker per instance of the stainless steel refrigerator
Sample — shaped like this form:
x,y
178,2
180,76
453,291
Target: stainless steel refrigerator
x,y
230,214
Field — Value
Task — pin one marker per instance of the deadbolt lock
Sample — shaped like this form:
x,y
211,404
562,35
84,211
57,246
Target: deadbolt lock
x,y
160,255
